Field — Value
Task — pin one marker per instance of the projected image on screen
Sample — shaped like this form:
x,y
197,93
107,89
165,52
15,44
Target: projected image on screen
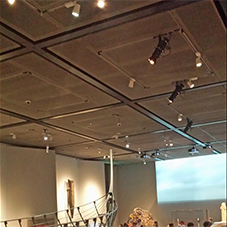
x,y
191,179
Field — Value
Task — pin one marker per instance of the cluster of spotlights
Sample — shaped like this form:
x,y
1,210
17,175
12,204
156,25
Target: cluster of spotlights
x,y
46,136
168,143
163,44
179,87
74,4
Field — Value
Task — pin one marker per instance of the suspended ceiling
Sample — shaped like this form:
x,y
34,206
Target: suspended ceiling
x,y
70,76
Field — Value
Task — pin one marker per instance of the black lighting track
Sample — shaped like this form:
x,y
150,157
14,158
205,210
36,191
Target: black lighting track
x,y
221,6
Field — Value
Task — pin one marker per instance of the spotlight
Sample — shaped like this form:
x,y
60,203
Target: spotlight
x,y
208,147
162,44
46,136
198,59
47,149
176,92
157,155
180,117
101,3
193,150
190,84
13,136
127,145
144,162
76,10
188,126
11,2
145,156
131,82
170,143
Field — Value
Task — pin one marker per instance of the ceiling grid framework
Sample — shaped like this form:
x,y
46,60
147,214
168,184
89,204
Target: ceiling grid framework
x,y
56,79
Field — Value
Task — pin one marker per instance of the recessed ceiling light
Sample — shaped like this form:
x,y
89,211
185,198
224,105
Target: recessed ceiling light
x,y
11,2
101,4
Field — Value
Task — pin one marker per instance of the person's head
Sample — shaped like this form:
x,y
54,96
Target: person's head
x,y
170,224
207,224
190,224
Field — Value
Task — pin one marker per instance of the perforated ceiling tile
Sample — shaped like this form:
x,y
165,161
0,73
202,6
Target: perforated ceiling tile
x,y
91,149
8,69
213,49
39,28
120,121
32,135
7,44
7,120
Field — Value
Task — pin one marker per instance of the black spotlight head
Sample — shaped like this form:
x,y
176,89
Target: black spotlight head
x,y
188,126
177,91
162,43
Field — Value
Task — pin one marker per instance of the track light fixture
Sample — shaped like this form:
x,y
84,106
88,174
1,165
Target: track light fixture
x,y
101,3
180,117
46,136
157,155
193,150
168,143
47,149
163,44
198,59
190,82
76,10
13,136
177,91
208,147
131,82
188,126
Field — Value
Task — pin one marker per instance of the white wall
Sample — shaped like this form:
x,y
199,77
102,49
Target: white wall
x,y
28,182
136,187
66,169
88,177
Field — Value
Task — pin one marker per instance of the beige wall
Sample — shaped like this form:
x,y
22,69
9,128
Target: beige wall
x,y
28,182
30,178
88,177
136,187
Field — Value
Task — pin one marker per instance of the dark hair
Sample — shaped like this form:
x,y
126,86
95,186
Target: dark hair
x,y
207,224
190,224
170,224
